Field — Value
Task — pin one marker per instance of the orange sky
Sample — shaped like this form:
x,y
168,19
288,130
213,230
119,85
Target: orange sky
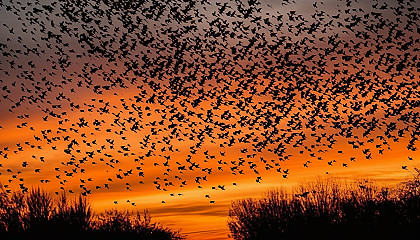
x,y
192,210
109,149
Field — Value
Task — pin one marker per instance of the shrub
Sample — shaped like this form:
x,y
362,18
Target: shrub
x,y
12,210
38,215
73,215
39,206
133,224
329,208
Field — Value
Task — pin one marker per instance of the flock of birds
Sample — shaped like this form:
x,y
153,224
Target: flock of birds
x,y
170,93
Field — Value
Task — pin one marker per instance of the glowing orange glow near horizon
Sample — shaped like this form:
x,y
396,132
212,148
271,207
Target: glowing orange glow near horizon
x,y
192,211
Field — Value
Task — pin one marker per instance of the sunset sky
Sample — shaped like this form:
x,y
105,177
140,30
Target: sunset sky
x,y
184,107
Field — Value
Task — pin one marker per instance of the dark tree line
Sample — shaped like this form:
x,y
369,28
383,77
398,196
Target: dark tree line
x,y
38,214
330,209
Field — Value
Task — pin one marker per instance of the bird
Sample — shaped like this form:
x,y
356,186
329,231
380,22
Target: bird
x,y
199,86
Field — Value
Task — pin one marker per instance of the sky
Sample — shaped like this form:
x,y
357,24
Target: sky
x,y
184,107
